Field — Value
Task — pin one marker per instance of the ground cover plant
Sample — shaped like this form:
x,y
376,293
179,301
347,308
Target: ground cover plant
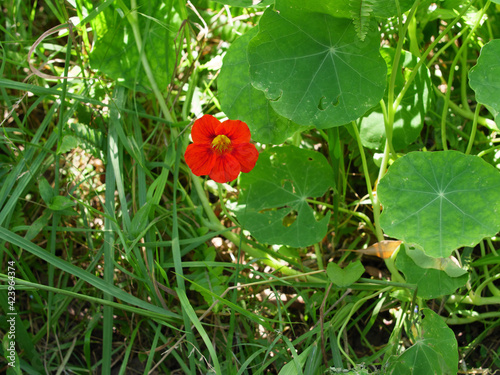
x,y
250,187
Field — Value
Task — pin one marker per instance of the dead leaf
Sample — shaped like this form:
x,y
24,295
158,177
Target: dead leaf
x,y
382,249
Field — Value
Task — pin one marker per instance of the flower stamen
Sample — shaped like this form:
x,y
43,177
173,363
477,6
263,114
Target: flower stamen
x,y
221,144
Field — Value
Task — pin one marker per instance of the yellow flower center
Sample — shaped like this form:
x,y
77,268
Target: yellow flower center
x,y
221,143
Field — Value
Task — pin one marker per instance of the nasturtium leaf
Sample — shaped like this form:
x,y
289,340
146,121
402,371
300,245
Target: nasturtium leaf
x,y
434,352
440,201
409,116
343,277
246,3
431,281
345,8
314,69
241,101
484,77
115,52
272,204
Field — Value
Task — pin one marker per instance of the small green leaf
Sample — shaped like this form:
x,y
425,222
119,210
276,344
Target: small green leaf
x,y
484,77
46,191
432,282
37,226
435,351
68,143
272,204
440,201
60,203
241,101
347,276
314,69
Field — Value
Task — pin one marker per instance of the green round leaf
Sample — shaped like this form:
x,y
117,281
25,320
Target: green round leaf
x,y
434,352
314,68
241,101
409,116
431,275
440,201
343,277
272,204
485,77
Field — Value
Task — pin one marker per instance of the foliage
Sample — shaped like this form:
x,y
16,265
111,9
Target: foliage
x,y
374,120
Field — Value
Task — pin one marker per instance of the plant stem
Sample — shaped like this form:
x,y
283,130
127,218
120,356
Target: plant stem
x,y
223,206
393,104
360,215
452,74
426,53
473,130
373,198
490,124
319,257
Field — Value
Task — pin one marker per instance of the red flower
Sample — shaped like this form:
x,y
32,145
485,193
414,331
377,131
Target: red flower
x,y
220,150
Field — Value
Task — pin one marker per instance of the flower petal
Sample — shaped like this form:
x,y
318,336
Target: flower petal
x,y
226,169
237,131
247,156
204,129
200,158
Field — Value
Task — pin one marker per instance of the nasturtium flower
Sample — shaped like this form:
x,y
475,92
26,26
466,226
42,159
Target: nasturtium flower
x,y
220,150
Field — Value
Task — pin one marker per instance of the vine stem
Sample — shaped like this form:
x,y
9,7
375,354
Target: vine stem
x,y
426,53
452,74
373,198
375,202
393,104
473,130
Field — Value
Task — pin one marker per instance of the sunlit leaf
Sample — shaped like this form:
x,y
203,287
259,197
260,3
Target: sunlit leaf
x,y
449,265
440,201
485,77
272,204
432,282
241,101
314,68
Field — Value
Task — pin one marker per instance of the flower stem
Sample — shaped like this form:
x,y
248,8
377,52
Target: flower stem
x,y
373,198
473,130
